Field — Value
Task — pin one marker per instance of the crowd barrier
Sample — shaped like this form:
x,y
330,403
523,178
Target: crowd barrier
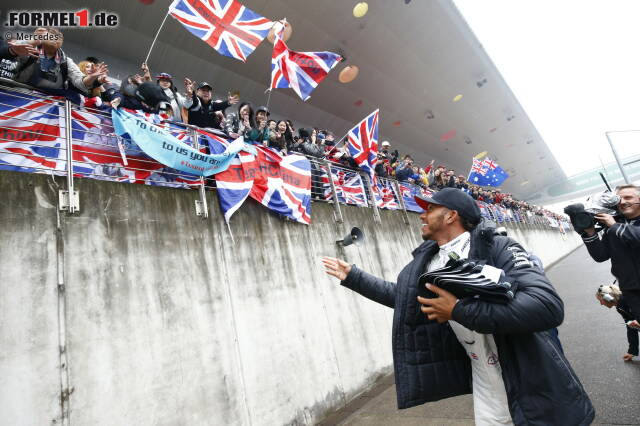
x,y
47,134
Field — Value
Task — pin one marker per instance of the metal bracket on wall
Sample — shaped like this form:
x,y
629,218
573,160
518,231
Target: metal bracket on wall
x,y
201,209
69,204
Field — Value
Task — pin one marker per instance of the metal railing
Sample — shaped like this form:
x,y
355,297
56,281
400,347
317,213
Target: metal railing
x,y
47,134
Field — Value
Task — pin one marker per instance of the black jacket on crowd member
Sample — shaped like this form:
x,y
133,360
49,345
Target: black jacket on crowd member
x,y
632,333
620,243
430,364
204,115
381,170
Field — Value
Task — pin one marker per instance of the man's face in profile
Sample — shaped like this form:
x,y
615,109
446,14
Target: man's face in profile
x,y
432,220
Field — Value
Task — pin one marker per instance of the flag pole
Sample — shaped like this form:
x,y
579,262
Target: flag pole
x,y
156,37
275,39
269,98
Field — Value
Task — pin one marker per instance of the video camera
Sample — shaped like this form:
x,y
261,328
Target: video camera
x,y
582,215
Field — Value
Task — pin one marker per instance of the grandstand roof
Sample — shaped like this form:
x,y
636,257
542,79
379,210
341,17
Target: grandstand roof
x,y
414,58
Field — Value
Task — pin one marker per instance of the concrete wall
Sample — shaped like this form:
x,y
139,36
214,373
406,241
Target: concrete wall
x,y
166,320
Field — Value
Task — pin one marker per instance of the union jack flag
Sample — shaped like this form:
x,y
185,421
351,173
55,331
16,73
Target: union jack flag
x,y
31,134
349,187
226,25
385,195
282,184
484,211
301,71
363,144
408,196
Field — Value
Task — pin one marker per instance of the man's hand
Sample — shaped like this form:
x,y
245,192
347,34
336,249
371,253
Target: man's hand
x,y
441,307
336,267
233,99
188,86
634,324
18,49
627,357
605,219
146,74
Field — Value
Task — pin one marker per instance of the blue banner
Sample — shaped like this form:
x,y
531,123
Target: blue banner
x,y
165,148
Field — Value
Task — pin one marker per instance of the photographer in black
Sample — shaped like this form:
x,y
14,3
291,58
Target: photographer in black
x,y
620,242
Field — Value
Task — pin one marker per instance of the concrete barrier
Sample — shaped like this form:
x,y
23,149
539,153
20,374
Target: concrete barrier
x,y
163,318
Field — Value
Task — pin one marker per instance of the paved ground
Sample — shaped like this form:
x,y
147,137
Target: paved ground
x,y
594,339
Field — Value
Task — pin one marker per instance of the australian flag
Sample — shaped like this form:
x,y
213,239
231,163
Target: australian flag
x,y
226,25
487,173
301,71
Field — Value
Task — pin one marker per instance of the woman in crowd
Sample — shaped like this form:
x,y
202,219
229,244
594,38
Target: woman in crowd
x,y
94,98
281,138
242,123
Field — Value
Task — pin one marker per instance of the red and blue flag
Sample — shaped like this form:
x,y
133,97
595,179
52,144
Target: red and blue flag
x,y
280,183
349,187
226,25
31,133
363,144
301,71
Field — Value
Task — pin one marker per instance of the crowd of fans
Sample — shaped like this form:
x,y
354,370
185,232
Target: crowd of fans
x,y
42,64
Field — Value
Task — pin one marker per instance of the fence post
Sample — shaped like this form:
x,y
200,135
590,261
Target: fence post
x,y
376,213
336,205
396,188
68,200
202,209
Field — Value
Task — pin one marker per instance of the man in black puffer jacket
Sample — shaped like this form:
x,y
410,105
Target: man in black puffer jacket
x,y
443,347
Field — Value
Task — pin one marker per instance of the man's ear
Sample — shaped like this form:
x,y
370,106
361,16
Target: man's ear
x,y
453,216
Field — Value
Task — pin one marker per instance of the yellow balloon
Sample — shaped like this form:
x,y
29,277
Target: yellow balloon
x,y
482,154
360,9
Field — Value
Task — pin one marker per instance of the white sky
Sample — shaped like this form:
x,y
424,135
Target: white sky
x,y
574,66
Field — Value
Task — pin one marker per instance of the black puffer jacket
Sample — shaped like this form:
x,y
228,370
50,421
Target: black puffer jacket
x,y
621,244
430,364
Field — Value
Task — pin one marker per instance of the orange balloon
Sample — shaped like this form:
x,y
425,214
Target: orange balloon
x,y
348,74
287,31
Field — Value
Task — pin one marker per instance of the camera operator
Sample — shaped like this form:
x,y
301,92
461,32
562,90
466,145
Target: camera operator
x,y
610,296
620,242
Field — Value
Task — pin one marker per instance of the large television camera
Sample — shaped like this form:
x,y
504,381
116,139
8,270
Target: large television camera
x,y
582,215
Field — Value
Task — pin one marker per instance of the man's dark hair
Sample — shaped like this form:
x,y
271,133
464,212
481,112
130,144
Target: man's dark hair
x,y
92,59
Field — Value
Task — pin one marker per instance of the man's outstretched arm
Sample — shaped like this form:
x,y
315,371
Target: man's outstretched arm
x,y
371,287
